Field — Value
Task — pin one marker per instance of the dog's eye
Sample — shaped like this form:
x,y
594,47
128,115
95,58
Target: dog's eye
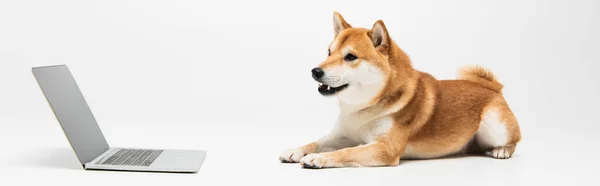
x,y
350,57
328,52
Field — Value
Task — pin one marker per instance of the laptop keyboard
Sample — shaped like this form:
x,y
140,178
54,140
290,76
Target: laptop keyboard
x,y
132,157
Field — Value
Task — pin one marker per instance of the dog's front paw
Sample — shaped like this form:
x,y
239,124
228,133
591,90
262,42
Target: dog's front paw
x,y
314,161
292,155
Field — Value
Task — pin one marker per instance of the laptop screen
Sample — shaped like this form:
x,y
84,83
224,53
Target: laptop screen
x,y
72,111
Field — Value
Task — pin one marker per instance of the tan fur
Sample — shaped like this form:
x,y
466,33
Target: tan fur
x,y
481,76
436,117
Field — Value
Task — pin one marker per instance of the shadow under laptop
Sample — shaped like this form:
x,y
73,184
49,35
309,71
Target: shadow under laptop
x,y
53,158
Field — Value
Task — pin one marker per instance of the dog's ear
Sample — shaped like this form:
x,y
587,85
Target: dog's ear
x,y
339,23
380,37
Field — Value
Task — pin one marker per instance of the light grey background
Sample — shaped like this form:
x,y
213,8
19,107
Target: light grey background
x,y
232,77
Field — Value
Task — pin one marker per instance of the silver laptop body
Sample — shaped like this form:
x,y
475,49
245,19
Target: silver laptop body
x,y
87,140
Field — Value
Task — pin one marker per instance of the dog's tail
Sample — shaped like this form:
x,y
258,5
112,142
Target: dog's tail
x,y
480,76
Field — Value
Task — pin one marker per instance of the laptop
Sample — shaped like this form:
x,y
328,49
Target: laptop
x,y
87,140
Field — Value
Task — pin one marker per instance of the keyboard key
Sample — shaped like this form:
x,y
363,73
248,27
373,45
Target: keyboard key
x,y
115,156
133,157
142,157
124,157
151,158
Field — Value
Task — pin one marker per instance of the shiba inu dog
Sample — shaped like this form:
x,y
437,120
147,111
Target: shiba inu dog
x,y
389,111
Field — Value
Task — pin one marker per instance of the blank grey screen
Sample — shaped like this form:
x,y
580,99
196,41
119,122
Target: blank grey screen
x,y
72,111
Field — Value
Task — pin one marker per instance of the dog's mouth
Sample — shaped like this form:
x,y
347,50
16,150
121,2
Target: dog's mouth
x,y
327,90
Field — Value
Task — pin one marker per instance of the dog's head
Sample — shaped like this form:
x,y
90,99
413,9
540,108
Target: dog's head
x,y
357,69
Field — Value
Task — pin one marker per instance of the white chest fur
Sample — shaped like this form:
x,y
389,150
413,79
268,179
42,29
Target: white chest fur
x,y
362,131
364,127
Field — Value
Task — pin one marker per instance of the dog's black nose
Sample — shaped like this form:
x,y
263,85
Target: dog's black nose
x,y
317,73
